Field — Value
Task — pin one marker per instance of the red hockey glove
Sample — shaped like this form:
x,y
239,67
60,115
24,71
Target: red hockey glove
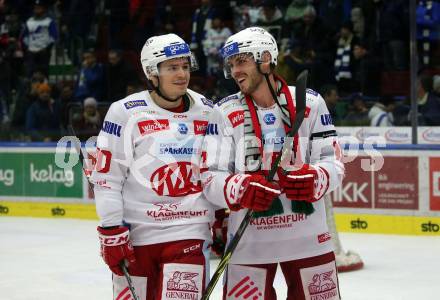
x,y
251,191
299,185
219,231
259,193
116,247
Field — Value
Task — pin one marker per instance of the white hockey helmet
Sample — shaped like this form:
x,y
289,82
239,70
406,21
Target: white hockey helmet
x,y
160,48
254,40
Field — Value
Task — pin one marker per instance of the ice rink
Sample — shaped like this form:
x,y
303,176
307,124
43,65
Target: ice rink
x,y
45,259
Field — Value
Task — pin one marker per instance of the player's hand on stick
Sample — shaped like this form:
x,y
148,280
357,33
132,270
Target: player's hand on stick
x,y
299,185
251,191
116,247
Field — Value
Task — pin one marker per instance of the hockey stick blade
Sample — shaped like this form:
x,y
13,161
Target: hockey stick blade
x,y
81,159
300,105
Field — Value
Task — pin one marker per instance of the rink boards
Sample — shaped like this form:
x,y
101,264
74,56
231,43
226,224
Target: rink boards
x,y
390,190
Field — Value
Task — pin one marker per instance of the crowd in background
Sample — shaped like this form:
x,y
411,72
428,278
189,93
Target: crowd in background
x,y
64,62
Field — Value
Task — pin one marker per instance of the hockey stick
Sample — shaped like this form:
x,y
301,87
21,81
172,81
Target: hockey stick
x,y
300,97
81,159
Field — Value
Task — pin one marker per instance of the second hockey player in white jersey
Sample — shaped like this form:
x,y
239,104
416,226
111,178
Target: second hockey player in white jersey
x,y
150,203
250,131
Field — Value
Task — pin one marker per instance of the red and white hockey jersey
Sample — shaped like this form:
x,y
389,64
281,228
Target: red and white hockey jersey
x,y
147,170
288,235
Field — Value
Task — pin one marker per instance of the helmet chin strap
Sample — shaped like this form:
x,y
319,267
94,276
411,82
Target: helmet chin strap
x,y
272,91
157,90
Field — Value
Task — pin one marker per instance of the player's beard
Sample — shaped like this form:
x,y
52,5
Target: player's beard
x,y
254,80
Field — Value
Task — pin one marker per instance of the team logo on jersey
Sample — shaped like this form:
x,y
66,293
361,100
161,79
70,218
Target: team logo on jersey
x,y
236,118
323,286
182,128
200,126
174,180
150,126
326,119
269,118
112,128
167,207
135,103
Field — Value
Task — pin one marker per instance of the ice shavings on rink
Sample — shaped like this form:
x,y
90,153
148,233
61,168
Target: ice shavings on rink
x,y
45,259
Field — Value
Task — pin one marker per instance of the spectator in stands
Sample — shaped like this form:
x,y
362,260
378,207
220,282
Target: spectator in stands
x,y
12,53
215,38
381,113
40,33
331,97
295,11
344,60
428,28
90,78
358,20
64,101
89,122
4,118
271,19
27,93
428,102
358,112
76,24
315,40
134,87
293,61
119,74
42,117
401,112
333,14
436,85
202,20
387,33
246,14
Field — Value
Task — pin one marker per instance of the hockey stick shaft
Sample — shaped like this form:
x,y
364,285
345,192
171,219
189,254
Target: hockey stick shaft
x,y
122,264
300,98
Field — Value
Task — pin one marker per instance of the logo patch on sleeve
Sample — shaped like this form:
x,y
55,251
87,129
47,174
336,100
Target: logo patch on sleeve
x,y
226,99
207,102
135,103
112,128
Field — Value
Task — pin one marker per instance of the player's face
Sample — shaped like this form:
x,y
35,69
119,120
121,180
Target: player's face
x,y
174,76
245,73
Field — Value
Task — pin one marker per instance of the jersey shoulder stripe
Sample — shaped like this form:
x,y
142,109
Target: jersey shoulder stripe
x,y
228,98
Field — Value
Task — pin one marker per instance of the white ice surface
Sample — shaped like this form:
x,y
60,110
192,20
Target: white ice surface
x,y
58,259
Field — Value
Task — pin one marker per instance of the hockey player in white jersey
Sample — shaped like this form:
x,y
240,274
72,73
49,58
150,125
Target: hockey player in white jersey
x,y
152,211
251,129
